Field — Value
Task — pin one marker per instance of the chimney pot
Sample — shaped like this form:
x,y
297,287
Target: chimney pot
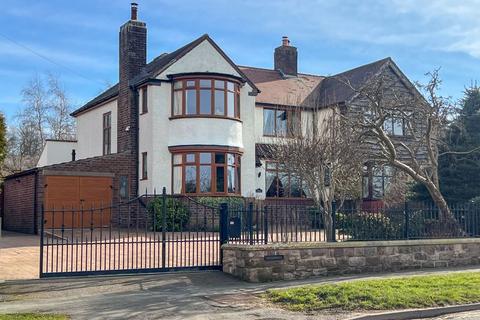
x,y
134,9
285,41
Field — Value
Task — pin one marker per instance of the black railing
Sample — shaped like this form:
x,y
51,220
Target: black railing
x,y
146,234
257,223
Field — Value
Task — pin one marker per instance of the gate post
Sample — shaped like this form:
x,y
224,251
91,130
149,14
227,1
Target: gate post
x,y
223,227
164,224
41,240
223,223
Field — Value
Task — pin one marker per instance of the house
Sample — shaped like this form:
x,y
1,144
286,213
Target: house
x,y
190,121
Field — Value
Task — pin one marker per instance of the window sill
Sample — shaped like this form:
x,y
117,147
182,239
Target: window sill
x,y
205,116
142,113
144,179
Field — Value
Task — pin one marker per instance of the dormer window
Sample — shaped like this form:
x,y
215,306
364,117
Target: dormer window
x,y
206,97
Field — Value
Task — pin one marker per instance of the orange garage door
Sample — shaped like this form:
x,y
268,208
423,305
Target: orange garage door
x,y
66,195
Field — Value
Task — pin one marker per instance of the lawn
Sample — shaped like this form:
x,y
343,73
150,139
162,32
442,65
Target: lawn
x,y
33,316
382,294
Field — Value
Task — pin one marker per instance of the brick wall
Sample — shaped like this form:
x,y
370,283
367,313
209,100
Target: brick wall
x,y
303,260
19,203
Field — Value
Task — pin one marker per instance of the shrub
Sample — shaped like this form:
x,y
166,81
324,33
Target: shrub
x,y
369,226
233,202
177,217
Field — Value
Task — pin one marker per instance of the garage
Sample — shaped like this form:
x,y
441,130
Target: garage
x,y
25,193
65,193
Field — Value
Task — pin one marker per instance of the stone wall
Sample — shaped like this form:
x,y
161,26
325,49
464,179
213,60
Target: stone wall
x,y
303,260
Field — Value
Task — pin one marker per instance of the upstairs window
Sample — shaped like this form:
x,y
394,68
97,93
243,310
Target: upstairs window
x,y
107,133
144,100
281,122
206,97
395,126
144,166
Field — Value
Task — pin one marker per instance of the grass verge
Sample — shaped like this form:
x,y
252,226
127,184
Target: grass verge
x,y
33,316
382,294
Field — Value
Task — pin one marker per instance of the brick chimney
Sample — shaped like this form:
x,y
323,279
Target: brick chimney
x,y
285,58
132,58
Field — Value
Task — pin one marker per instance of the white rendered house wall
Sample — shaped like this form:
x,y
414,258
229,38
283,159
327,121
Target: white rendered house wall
x,y
56,151
90,130
158,132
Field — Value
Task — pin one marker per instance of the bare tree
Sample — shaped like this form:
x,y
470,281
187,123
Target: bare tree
x,y
46,115
385,105
325,155
60,122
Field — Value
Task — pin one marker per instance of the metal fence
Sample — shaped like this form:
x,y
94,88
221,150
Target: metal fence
x,y
255,223
147,234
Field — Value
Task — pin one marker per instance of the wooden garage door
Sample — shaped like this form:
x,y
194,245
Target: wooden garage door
x,y
64,193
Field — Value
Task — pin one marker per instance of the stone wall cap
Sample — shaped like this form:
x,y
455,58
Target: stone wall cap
x,y
349,244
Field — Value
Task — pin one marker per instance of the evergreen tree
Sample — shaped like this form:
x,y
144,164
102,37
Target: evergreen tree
x,y
459,162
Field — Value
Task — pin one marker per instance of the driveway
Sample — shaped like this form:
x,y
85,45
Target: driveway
x,y
201,295
19,256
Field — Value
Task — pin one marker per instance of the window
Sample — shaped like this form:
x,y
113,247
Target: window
x,y
280,122
107,133
206,97
280,184
206,172
376,181
395,126
144,100
144,166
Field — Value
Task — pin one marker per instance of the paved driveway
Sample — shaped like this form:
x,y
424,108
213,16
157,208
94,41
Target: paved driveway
x,y
19,256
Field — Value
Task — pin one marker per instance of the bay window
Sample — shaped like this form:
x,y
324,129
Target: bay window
x,y
206,97
206,172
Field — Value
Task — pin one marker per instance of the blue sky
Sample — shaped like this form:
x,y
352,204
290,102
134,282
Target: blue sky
x,y
81,37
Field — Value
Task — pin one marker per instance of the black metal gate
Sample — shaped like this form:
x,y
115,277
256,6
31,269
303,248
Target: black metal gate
x,y
152,233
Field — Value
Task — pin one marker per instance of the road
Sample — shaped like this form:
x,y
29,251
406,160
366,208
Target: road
x,y
192,296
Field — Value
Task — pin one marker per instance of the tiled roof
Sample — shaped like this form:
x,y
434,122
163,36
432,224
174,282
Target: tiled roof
x,y
307,90
276,88
334,88
155,67
102,97
271,85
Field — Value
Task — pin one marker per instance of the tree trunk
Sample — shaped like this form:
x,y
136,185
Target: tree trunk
x,y
327,221
440,202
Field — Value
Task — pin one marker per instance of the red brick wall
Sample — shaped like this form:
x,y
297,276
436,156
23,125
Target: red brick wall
x,y
19,201
19,213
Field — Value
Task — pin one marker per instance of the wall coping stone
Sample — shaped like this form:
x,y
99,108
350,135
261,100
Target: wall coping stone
x,y
348,244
